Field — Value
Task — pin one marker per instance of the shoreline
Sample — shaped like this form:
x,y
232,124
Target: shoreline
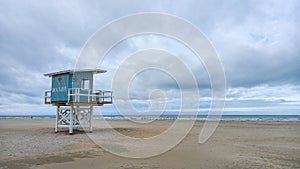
x,y
175,117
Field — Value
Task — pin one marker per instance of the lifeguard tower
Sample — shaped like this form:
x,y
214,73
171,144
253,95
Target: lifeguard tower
x,y
73,95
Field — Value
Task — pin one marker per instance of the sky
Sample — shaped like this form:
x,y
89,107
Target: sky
x,y
256,41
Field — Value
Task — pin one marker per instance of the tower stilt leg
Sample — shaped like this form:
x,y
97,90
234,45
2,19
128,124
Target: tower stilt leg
x,y
71,120
56,119
90,119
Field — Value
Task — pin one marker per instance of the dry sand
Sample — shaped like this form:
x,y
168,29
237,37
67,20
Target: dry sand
x,y
32,143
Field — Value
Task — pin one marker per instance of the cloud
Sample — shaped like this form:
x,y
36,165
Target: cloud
x,y
258,44
262,47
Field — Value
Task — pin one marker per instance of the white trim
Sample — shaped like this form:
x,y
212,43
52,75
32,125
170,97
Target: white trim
x,y
94,71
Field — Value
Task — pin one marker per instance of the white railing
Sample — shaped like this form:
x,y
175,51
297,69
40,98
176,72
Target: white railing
x,y
77,95
87,95
47,97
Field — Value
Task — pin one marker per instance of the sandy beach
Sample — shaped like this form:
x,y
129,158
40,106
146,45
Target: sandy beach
x,y
32,143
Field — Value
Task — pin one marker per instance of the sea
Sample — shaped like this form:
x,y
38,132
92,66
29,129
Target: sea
x,y
181,117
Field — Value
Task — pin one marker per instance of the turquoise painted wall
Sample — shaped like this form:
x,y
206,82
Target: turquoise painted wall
x,y
78,83
61,84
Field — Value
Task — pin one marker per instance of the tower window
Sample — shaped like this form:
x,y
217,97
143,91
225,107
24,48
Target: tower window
x,y
85,84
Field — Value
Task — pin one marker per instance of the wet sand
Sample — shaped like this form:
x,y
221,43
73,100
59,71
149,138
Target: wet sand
x,y
32,143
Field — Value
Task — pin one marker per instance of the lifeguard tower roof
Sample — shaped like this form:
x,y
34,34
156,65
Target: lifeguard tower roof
x,y
94,71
